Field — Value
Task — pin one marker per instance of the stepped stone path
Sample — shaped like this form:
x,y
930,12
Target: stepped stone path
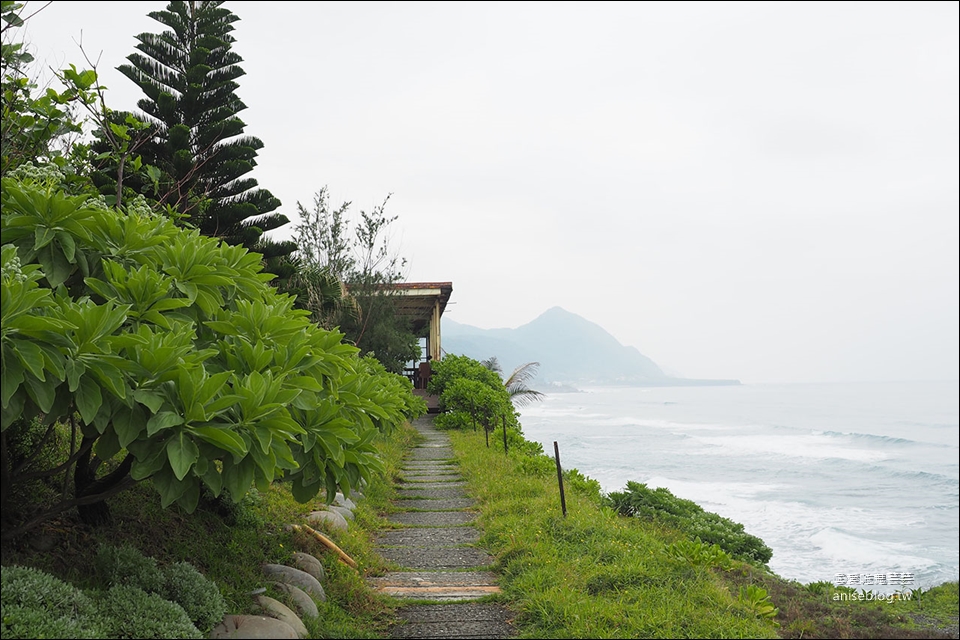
x,y
435,551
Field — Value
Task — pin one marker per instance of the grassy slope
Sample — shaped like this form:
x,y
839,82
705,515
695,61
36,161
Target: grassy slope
x,y
592,574
595,574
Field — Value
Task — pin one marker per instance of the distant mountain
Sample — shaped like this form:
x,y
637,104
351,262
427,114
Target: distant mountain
x,y
570,349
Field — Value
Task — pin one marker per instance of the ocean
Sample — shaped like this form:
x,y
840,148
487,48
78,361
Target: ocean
x,y
846,482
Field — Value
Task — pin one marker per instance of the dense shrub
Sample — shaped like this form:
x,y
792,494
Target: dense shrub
x,y
472,396
129,612
176,356
180,582
454,367
34,604
660,504
198,596
125,565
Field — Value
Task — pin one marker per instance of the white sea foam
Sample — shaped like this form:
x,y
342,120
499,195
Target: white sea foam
x,y
861,551
804,446
834,478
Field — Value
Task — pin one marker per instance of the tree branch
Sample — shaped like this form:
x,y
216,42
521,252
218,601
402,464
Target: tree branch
x,y
63,506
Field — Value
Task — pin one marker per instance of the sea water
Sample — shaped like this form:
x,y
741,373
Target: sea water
x,y
840,480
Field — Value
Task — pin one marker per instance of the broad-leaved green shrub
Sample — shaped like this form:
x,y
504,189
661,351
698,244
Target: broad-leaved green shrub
x,y
660,504
177,356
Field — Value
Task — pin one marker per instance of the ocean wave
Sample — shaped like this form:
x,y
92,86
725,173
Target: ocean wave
x,y
929,476
872,437
887,440
812,446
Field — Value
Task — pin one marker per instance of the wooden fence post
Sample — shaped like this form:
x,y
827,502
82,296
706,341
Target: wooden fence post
x,y
556,456
504,421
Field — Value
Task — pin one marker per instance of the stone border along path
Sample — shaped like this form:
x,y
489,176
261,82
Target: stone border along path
x,y
434,548
300,584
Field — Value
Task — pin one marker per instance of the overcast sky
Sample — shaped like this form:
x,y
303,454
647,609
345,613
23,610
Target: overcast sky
x,y
740,190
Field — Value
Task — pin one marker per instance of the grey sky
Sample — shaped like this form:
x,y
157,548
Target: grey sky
x,y
750,190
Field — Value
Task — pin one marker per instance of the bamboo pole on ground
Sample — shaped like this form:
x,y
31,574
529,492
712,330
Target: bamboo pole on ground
x,y
327,542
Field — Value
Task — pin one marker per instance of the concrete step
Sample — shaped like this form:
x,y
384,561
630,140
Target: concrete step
x,y
443,484
404,493
467,620
434,537
449,478
432,518
422,558
450,504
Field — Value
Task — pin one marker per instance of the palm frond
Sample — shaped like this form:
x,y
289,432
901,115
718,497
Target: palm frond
x,y
492,363
517,387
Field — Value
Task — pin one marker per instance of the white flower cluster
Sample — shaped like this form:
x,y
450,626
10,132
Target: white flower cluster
x,y
96,202
48,173
12,272
139,206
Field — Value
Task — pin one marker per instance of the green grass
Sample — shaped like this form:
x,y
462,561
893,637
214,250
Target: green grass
x,y
592,574
596,574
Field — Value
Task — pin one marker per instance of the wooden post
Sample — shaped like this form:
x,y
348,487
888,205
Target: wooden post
x,y
563,500
504,421
486,433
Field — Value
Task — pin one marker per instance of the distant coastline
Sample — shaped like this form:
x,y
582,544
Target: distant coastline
x,y
686,382
572,387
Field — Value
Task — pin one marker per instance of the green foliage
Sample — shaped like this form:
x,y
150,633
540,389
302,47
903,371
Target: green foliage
x,y
756,600
576,481
660,504
230,550
129,612
198,596
471,395
698,554
516,384
125,565
34,604
346,278
176,355
467,402
591,574
179,582
453,367
33,122
188,74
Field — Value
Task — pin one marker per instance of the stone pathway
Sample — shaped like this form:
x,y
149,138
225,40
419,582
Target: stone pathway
x,y
434,549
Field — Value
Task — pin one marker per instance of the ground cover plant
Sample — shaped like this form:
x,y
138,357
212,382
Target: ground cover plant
x,y
660,504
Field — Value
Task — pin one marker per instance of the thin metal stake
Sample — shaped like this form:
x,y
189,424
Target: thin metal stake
x,y
563,499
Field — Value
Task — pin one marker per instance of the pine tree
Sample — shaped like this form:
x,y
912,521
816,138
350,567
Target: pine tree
x,y
188,74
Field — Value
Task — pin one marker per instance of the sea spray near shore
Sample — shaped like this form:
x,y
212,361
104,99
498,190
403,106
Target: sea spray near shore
x,y
837,479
